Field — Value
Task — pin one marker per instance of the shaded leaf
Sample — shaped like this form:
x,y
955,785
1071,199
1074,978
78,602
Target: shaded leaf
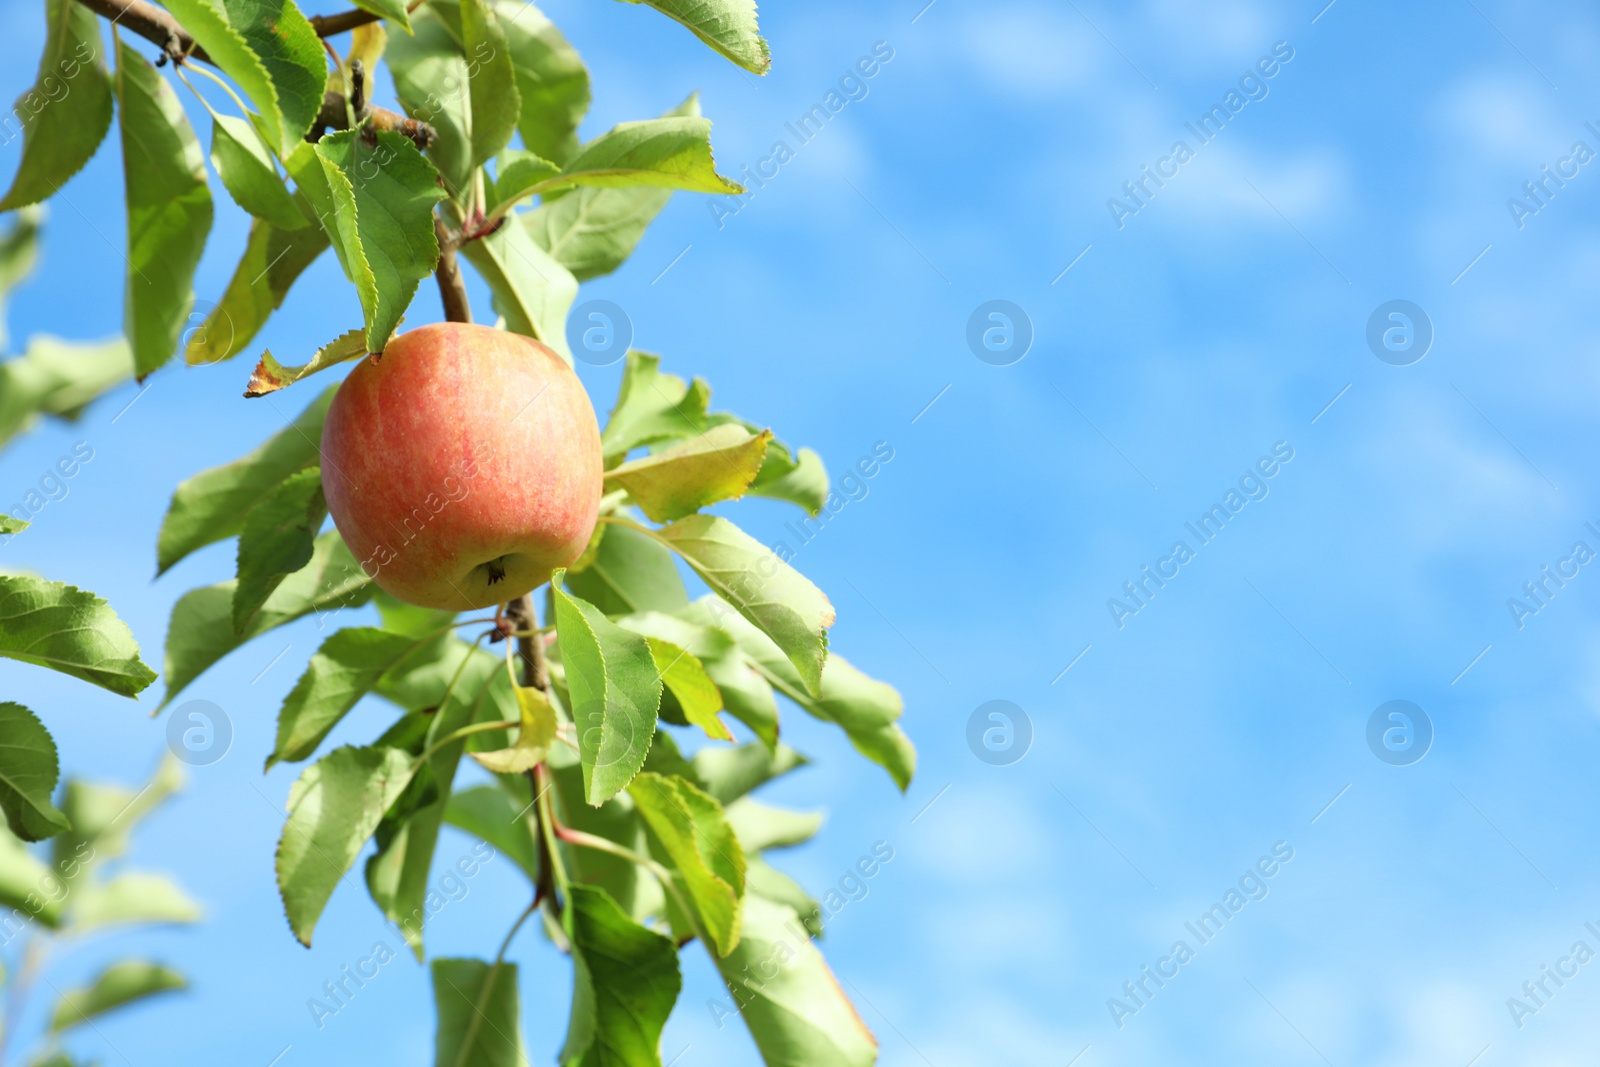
x,y
681,479
201,631
531,290
27,885
695,834
728,26
518,173
552,84
763,588
496,102
489,813
480,1021
730,773
212,505
616,692
798,478
277,540
334,808
633,889
795,1009
769,883
270,375
625,984
273,258
866,709
62,627
761,826
383,197
66,114
130,898
103,816
28,773
631,572
394,10
19,252
121,983
590,230
248,173
169,207
56,377
345,669
431,72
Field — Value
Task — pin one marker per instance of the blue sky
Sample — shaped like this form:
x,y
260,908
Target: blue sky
x,y
1227,315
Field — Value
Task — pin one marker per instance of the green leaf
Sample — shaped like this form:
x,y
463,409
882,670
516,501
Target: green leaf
x,y
345,669
689,687
590,230
398,874
249,174
796,1011
272,260
798,478
121,983
517,173
57,377
480,1020
270,375
626,981
530,289
866,709
667,153
730,773
653,407
169,206
761,826
631,572
431,72
745,692
394,10
212,505
616,692
131,898
551,81
681,479
278,536
27,885
334,808
496,102
103,816
763,588
765,881
382,223
28,773
66,629
19,253
292,54
695,834
536,734
728,26
11,525
270,51
633,889
201,631
66,114
488,813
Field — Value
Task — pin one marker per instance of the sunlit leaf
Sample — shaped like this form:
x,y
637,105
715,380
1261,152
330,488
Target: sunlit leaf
x,y
681,479
728,26
696,836
28,772
625,985
56,377
552,84
54,625
169,208
66,114
270,375
120,984
248,173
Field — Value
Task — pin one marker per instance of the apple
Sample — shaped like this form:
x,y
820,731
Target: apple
x,y
462,466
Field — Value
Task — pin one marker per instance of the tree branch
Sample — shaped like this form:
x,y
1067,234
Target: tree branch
x,y
330,25
531,647
160,28
151,23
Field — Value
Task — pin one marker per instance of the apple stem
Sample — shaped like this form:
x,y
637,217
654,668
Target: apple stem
x,y
452,287
530,644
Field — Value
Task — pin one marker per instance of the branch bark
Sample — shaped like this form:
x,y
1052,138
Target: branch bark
x,y
160,28
530,649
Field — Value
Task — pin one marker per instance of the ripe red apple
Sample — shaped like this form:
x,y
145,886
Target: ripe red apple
x,y
463,466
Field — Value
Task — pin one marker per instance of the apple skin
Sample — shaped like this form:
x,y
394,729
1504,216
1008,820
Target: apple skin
x,y
461,452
